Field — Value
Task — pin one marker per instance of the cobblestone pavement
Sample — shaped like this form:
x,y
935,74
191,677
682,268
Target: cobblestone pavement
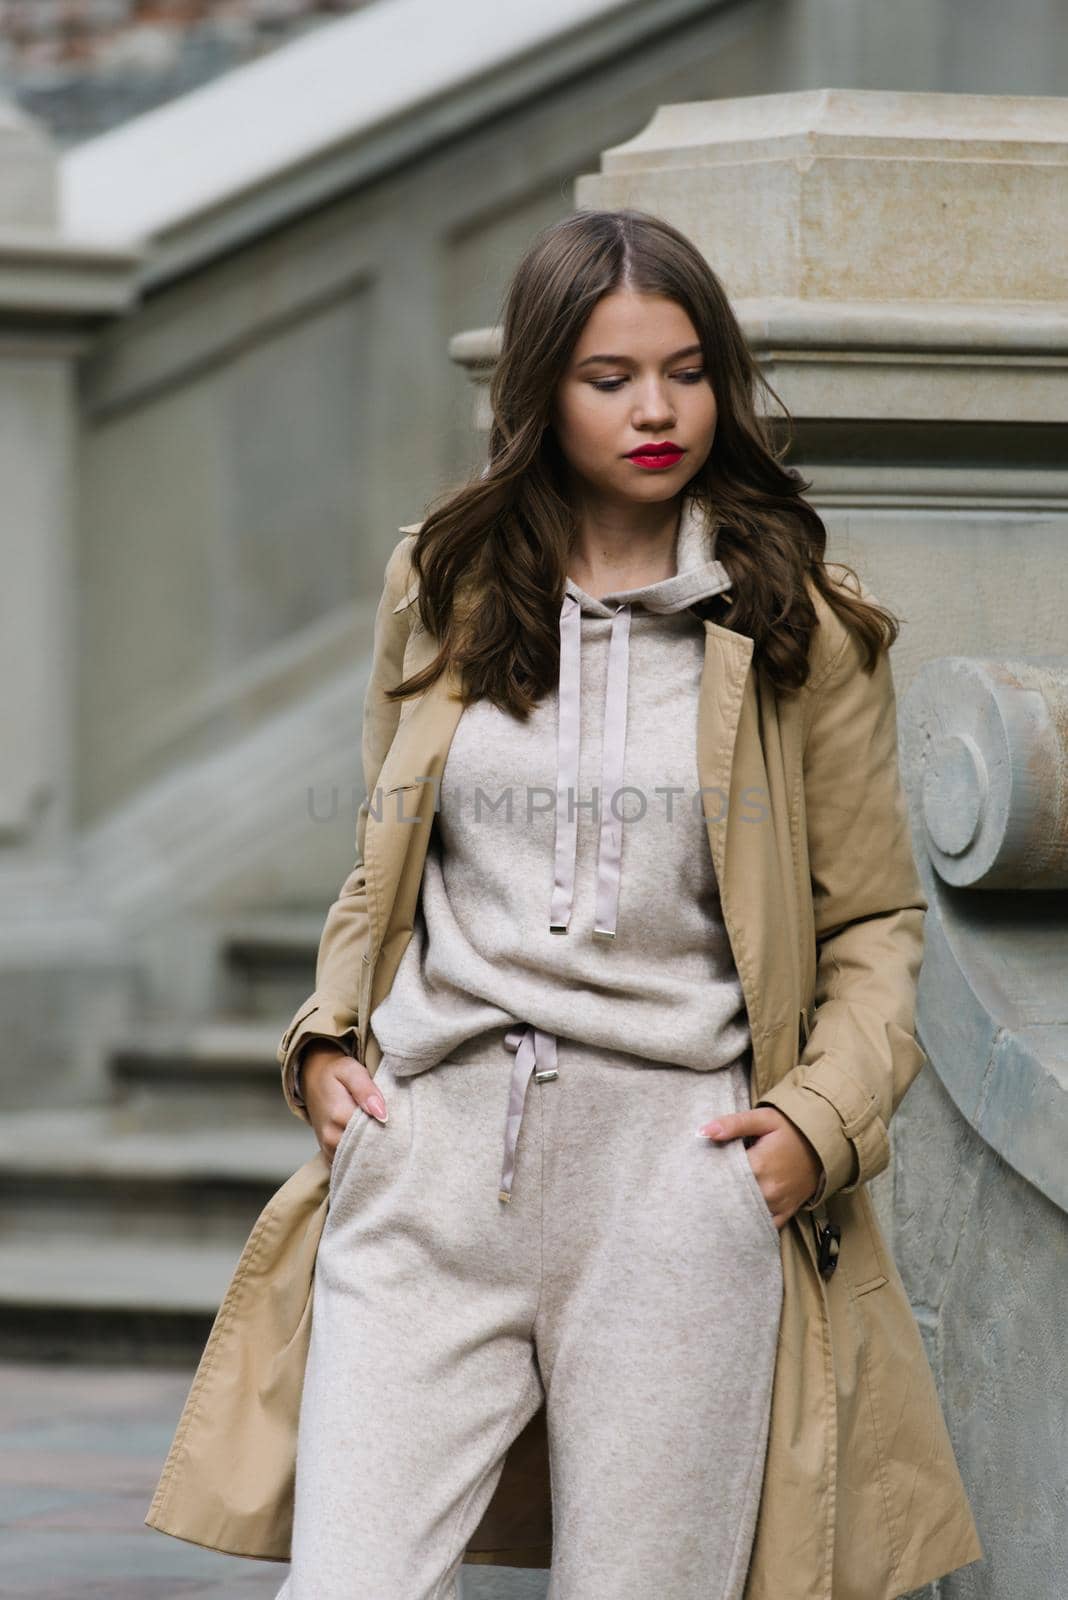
x,y
81,1448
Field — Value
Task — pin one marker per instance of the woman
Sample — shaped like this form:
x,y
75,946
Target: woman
x,y
662,692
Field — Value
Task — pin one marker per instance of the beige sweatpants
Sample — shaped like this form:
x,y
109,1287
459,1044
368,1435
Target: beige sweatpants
x,y
633,1280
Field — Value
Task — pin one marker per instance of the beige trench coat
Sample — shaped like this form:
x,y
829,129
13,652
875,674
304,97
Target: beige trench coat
x,y
807,824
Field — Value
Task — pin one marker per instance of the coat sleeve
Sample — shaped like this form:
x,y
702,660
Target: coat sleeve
x,y
861,1054
330,1011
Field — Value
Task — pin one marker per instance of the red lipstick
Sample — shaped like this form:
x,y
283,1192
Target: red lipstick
x,y
655,457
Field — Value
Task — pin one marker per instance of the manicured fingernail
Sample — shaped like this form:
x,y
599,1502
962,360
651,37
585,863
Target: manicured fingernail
x,y
377,1107
713,1130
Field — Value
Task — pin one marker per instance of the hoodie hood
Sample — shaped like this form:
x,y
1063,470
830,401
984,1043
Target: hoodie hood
x,y
697,576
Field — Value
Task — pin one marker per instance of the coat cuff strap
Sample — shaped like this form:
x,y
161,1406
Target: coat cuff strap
x,y
317,1019
840,1118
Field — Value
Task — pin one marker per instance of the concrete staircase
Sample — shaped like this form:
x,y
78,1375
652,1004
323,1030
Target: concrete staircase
x,y
120,1223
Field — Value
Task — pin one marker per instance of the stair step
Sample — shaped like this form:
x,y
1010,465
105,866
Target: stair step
x,y
107,1141
267,960
111,1299
185,1075
237,1048
163,1276
274,936
116,1239
96,1171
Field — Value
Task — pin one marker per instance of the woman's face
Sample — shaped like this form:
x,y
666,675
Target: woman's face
x,y
636,377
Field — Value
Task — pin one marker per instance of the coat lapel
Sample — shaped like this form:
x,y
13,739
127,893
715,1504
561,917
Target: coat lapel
x,y
723,679
747,852
407,788
750,844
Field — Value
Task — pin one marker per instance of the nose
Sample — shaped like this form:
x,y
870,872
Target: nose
x,y
653,407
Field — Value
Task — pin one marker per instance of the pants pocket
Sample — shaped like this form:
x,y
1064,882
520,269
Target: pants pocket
x,y
354,1131
348,1135
737,1149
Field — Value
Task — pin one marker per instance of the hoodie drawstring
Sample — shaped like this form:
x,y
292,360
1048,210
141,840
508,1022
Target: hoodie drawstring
x,y
610,842
675,594
567,754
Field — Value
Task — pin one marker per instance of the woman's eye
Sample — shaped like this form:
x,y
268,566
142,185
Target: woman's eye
x,y
610,385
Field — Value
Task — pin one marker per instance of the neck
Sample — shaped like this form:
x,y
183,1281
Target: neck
x,y
624,547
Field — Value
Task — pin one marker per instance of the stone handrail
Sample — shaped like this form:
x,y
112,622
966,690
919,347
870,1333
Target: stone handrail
x,y
985,758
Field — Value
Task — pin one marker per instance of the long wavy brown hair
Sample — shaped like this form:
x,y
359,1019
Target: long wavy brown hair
x,y
492,556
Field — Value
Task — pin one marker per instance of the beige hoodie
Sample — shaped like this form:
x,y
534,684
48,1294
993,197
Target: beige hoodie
x,y
534,909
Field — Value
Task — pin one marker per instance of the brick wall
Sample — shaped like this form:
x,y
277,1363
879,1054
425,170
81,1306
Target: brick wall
x,y
81,66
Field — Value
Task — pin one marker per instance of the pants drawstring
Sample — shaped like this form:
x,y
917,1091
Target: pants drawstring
x,y
535,1053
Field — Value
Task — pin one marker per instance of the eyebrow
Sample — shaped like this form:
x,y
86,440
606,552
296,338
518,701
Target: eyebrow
x,y
690,350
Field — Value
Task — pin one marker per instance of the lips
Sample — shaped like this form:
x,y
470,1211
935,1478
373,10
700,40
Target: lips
x,y
668,448
656,455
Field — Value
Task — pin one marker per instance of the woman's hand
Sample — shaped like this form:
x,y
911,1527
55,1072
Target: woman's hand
x,y
335,1086
787,1167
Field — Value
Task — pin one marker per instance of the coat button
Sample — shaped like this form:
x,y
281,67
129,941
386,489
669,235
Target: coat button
x,y
828,1241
